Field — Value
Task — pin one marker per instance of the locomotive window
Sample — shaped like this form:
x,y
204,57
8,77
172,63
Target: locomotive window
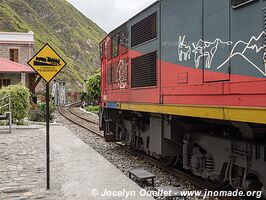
x,y
105,48
109,74
123,38
114,72
123,41
115,46
109,49
238,3
101,50
144,30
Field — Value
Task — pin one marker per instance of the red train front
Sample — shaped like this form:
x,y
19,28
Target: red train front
x,y
185,82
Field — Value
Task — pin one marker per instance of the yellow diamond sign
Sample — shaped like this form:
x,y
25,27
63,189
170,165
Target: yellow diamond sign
x,y
47,63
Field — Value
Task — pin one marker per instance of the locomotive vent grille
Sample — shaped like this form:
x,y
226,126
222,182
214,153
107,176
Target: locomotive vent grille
x,y
144,30
143,70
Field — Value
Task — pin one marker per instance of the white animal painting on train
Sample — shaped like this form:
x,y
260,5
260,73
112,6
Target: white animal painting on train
x,y
209,49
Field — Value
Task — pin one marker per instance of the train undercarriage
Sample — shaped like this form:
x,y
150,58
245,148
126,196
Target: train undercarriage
x,y
221,152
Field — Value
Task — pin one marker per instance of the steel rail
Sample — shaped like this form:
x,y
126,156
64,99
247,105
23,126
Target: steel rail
x,y
65,112
77,115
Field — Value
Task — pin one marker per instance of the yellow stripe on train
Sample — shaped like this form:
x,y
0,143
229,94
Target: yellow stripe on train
x,y
243,114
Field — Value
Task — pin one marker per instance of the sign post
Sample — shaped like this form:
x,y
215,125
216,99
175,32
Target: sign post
x,y
47,138
47,64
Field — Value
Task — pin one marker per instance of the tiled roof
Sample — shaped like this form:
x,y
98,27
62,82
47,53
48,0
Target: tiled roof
x,y
7,66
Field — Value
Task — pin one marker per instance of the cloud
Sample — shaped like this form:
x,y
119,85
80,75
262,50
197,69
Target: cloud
x,y
109,14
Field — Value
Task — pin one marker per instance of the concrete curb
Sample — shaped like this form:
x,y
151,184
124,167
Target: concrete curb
x,y
31,125
23,127
43,123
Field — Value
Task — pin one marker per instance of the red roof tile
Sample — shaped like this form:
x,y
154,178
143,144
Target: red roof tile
x,y
7,66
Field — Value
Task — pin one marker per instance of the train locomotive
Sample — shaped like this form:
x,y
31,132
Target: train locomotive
x,y
185,82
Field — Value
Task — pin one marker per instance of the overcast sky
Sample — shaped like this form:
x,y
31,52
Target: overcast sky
x,y
109,14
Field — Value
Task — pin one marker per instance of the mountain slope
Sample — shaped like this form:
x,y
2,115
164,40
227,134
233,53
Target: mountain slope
x,y
57,22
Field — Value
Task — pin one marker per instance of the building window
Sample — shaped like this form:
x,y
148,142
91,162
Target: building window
x,y
13,55
5,82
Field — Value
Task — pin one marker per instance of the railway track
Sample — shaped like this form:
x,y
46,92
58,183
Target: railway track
x,y
69,114
91,126
70,109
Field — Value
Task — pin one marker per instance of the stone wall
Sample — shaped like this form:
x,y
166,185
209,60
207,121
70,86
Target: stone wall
x,y
25,51
14,78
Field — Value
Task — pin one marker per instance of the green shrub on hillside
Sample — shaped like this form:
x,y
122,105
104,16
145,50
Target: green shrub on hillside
x,y
93,88
20,100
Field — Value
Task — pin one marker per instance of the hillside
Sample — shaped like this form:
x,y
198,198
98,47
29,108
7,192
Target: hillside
x,y
57,22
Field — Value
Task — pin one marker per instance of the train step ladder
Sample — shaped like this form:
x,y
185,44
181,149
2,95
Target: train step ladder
x,y
5,111
142,175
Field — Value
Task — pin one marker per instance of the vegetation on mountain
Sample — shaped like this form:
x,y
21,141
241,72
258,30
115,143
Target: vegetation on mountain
x,y
68,31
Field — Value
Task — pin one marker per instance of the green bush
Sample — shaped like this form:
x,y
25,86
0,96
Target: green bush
x,y
20,100
83,96
94,109
93,88
38,114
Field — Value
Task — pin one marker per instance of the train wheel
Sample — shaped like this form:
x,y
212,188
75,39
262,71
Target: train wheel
x,y
263,190
252,183
217,184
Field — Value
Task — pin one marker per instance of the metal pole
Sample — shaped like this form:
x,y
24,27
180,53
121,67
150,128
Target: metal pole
x,y
47,138
10,114
9,103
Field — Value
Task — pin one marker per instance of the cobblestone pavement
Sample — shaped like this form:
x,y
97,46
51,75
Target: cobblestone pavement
x,y
23,167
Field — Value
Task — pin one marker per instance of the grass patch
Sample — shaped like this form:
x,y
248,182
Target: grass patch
x,y
93,109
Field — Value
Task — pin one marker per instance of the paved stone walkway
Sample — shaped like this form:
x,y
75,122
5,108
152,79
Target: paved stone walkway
x,y
23,167
77,171
86,175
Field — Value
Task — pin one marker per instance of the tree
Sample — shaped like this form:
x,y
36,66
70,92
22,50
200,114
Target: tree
x,y
93,88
